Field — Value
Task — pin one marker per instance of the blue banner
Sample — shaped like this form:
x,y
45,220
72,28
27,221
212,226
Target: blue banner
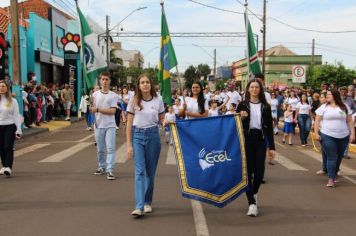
x,y
211,160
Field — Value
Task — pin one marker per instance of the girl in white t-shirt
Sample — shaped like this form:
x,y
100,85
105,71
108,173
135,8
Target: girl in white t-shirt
x,y
214,109
303,117
335,133
169,117
195,106
288,128
145,112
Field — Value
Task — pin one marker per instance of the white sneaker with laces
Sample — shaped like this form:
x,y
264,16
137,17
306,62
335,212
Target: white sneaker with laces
x,y
137,213
252,210
2,170
147,209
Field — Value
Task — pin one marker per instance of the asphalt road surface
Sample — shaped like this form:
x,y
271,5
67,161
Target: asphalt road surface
x,y
53,192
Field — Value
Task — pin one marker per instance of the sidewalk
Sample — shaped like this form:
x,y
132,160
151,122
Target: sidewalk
x,y
50,126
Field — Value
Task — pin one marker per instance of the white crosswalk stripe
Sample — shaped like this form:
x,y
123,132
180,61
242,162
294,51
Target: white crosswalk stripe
x,y
60,156
287,163
317,156
171,160
32,148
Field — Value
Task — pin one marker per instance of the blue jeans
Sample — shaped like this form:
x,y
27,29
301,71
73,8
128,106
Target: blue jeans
x,y
106,141
334,149
89,118
304,123
146,148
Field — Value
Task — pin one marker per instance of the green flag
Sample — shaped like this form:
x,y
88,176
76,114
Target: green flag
x,y
252,60
95,61
168,60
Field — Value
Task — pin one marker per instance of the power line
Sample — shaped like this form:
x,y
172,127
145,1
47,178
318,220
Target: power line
x,y
335,51
276,20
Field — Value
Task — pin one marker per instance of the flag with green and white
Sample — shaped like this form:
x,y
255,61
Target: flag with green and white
x,y
252,60
168,60
95,61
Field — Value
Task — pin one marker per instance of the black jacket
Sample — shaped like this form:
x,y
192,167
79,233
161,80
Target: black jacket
x,y
266,121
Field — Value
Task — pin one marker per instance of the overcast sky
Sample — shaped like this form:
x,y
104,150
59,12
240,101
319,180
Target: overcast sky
x,y
185,16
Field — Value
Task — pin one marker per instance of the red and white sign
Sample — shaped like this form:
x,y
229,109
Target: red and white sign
x,y
298,74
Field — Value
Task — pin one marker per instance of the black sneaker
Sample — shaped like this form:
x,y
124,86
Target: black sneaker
x,y
110,175
99,171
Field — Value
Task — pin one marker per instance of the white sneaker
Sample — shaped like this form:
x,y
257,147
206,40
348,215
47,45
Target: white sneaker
x,y
252,210
137,213
2,170
7,171
147,209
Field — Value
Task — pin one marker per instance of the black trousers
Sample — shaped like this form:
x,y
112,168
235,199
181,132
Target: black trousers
x,y
7,140
255,146
117,117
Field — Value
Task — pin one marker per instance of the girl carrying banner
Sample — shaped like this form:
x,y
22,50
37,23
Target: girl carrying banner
x,y
257,123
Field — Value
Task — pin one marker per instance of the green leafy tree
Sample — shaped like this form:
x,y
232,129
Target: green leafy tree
x,y
338,75
203,70
152,73
190,76
135,72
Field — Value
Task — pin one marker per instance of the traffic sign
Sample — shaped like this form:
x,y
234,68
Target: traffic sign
x,y
298,74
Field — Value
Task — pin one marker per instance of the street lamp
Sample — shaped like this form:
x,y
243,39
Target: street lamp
x,y
213,57
106,34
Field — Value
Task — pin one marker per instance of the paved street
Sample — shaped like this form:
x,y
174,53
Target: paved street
x,y
54,192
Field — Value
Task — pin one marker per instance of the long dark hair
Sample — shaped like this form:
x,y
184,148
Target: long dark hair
x,y
338,101
201,98
261,96
138,93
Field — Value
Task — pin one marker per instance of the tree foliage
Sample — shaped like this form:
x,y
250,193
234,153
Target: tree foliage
x,y
203,70
338,75
190,76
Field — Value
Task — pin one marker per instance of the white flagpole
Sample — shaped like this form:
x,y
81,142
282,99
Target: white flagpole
x,y
247,44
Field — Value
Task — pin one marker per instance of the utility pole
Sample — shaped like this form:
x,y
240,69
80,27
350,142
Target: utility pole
x,y
215,63
107,37
313,53
264,38
15,43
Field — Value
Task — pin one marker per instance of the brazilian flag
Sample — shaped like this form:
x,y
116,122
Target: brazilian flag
x,y
167,61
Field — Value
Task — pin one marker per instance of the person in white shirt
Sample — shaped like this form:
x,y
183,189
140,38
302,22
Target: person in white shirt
x,y
288,127
274,108
232,109
177,107
336,132
195,106
234,96
10,128
104,107
145,112
125,96
169,117
215,109
303,117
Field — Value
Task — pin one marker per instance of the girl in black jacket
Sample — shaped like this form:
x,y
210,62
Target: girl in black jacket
x,y
258,131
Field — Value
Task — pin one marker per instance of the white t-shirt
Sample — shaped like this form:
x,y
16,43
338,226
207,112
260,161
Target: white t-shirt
x,y
303,108
9,114
334,121
255,116
289,118
268,97
192,106
149,115
234,98
213,112
170,117
293,102
104,100
274,104
229,113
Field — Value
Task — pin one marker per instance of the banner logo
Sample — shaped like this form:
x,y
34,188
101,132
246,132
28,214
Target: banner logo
x,y
207,160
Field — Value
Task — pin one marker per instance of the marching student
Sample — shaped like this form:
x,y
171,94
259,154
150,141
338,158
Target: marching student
x,y
288,127
104,107
195,106
215,109
10,128
256,117
336,132
145,110
232,109
303,117
168,118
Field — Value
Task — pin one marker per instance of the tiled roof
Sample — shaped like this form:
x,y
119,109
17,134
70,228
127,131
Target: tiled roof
x,y
4,20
